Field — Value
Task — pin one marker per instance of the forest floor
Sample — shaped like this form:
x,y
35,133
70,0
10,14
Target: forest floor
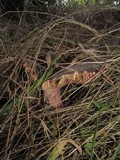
x,y
31,50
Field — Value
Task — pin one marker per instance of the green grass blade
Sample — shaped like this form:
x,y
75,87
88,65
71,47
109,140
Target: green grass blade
x,y
7,107
117,151
94,137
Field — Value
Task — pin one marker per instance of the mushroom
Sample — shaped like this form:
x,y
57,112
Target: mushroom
x,y
78,73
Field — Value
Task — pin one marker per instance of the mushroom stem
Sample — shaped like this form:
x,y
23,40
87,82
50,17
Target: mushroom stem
x,y
53,97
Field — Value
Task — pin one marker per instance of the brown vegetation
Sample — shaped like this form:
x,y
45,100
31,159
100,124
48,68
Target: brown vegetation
x,y
80,48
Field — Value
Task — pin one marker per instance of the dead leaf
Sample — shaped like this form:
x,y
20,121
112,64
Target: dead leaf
x,y
57,151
